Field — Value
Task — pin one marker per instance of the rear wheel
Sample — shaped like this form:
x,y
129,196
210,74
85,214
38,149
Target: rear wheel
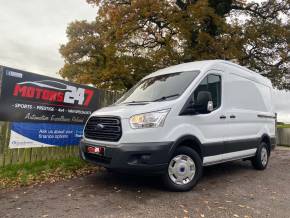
x,y
261,160
184,170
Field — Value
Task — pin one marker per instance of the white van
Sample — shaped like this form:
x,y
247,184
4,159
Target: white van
x,y
184,117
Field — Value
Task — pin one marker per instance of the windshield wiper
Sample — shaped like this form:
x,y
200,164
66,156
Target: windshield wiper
x,y
134,102
165,97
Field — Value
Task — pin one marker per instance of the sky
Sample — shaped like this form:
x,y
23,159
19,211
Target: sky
x,y
32,31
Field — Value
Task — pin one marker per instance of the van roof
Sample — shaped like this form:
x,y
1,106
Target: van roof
x,y
210,64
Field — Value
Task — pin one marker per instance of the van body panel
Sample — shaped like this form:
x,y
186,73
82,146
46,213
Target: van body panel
x,y
231,156
126,111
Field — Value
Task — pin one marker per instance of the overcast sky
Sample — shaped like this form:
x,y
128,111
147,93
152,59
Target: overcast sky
x,y
32,31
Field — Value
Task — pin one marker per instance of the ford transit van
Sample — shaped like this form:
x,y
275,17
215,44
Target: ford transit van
x,y
179,119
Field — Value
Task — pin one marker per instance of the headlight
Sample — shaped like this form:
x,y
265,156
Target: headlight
x,y
148,120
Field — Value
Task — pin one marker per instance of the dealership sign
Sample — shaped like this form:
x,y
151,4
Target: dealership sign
x,y
29,97
44,111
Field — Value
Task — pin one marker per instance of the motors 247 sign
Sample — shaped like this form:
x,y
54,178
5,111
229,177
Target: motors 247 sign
x,y
29,97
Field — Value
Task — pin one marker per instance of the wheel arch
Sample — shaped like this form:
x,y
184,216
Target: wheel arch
x,y
266,139
189,141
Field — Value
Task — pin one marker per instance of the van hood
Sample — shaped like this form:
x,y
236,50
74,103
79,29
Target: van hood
x,y
125,111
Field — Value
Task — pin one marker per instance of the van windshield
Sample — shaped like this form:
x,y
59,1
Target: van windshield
x,y
159,88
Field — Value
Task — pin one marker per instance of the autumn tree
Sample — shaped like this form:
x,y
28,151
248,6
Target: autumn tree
x,y
131,38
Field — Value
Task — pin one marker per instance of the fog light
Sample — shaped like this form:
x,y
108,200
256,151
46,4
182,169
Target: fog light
x,y
139,159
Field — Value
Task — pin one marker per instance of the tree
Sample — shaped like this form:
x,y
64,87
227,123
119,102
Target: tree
x,y
131,38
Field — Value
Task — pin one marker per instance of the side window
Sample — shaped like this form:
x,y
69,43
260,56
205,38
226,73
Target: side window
x,y
212,84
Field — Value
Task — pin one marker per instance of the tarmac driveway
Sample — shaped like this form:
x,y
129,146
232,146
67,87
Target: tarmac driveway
x,y
227,190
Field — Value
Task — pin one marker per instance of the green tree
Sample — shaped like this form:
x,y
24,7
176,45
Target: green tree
x,y
131,38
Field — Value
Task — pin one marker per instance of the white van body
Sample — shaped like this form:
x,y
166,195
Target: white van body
x,y
240,117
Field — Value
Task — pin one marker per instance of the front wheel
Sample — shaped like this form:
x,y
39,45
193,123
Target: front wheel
x,y
184,170
261,160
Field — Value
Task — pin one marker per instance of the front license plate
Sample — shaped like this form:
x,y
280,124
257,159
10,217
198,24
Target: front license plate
x,y
96,150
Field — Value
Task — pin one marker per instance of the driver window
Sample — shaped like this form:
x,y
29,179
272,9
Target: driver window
x,y
212,84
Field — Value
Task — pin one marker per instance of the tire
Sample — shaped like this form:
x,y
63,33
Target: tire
x,y
182,164
261,160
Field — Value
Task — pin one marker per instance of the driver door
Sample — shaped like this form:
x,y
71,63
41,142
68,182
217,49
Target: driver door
x,y
211,125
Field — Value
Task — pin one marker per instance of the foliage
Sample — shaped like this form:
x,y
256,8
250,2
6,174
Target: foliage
x,y
131,38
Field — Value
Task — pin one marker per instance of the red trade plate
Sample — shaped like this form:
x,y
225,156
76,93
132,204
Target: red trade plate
x,y
95,150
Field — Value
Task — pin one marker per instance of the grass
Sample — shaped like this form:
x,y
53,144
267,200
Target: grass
x,y
284,145
283,126
43,172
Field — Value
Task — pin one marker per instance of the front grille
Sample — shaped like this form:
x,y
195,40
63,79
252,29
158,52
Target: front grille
x,y
103,128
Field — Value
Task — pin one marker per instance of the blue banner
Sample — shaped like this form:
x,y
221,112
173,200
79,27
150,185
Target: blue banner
x,y
44,134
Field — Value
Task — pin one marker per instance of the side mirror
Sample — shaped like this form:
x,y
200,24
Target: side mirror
x,y
203,102
210,106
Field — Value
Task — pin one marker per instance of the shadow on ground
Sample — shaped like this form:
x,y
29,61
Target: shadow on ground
x,y
131,181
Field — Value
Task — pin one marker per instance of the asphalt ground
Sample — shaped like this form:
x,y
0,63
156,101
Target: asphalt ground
x,y
228,190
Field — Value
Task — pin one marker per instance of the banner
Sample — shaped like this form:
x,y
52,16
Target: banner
x,y
44,111
29,97
27,135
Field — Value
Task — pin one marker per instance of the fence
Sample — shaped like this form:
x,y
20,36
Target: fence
x,y
28,155
283,136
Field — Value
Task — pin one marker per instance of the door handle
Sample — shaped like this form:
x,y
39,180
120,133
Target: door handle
x,y
223,117
232,116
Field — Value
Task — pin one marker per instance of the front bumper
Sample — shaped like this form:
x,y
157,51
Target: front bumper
x,y
150,157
